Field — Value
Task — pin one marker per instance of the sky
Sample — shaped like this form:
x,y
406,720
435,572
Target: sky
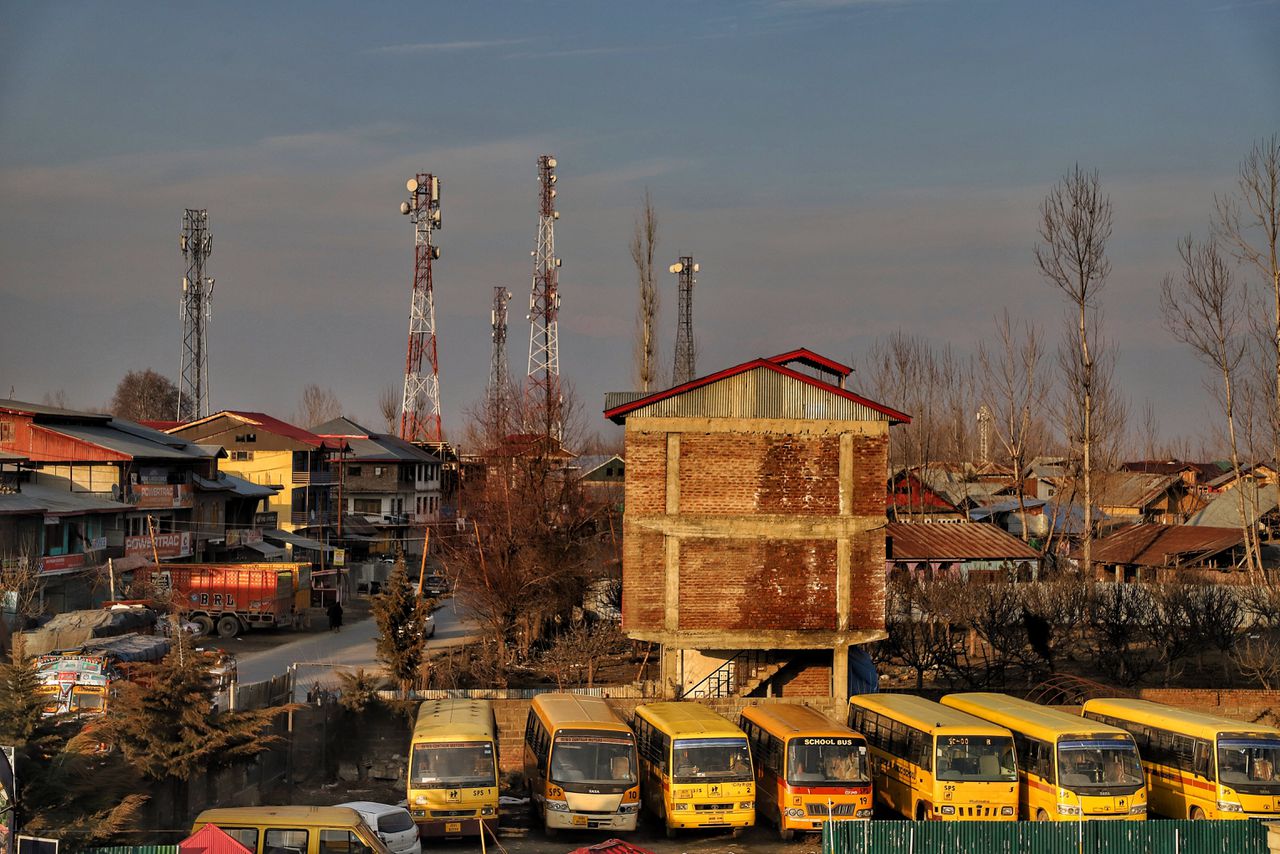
x,y
840,169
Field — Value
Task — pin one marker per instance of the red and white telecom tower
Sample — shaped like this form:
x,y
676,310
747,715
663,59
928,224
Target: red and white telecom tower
x,y
542,387
420,405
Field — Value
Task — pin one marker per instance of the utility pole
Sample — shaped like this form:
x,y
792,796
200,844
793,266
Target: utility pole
x,y
420,405
542,385
684,367
196,242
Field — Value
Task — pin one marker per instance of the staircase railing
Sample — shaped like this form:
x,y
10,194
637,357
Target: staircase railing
x,y
729,678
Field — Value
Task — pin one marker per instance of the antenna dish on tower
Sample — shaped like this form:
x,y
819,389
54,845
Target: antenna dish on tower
x,y
411,185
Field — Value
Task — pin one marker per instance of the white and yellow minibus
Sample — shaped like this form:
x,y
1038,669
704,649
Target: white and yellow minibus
x,y
453,768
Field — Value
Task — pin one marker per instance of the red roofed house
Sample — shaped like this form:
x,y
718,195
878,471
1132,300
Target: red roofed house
x,y
266,450
754,540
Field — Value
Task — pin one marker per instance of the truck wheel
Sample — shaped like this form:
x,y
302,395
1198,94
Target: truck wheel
x,y
785,834
228,626
205,622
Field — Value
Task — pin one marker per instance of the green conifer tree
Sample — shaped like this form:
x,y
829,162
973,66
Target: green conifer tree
x,y
166,727
402,619
68,786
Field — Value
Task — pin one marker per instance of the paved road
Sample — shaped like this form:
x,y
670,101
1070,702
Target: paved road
x,y
319,655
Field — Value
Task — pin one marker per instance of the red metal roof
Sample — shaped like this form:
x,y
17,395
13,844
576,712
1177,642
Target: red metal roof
x,y
619,413
956,541
612,846
211,839
806,356
1163,545
266,422
162,426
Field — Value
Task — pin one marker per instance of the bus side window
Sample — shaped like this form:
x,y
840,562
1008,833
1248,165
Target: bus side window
x,y
920,750
773,757
664,748
1201,765
541,741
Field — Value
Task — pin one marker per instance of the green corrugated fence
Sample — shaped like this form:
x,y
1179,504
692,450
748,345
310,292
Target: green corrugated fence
x,y
1025,837
133,849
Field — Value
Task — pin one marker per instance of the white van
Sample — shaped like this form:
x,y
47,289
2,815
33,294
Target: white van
x,y
394,826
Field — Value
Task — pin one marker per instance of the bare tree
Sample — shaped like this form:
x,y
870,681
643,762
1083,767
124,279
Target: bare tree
x,y
1013,388
1248,221
316,405
644,243
1075,225
145,396
1205,308
56,399
389,407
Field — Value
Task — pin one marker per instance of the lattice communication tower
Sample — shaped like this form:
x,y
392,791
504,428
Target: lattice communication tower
x,y
543,382
195,308
497,389
420,406
684,368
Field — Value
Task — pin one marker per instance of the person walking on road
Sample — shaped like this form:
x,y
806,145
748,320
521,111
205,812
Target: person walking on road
x,y
335,616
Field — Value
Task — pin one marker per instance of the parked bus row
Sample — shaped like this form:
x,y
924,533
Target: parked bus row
x,y
970,757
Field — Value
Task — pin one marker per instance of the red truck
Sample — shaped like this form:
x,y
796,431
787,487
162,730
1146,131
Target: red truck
x,y
229,599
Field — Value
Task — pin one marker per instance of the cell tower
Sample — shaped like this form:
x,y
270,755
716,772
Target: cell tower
x,y
684,367
196,309
497,390
543,382
984,433
420,405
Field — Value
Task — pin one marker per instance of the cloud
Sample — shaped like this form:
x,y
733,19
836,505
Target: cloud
x,y
443,47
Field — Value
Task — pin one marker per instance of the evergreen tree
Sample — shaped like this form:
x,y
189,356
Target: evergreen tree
x,y
67,785
402,619
165,725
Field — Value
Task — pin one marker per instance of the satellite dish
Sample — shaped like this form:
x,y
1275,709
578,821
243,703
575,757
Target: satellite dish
x,y
411,185
697,268
551,161
675,268
404,207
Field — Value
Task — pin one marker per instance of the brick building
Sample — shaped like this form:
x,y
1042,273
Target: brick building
x,y
754,541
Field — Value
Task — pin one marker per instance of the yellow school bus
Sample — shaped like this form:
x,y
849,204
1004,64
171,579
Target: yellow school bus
x,y
931,762
1070,769
808,769
1199,766
304,830
580,764
453,768
695,767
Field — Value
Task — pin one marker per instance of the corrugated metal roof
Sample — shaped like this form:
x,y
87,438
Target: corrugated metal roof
x,y
40,409
266,422
1224,510
58,500
955,541
131,443
1164,545
775,391
367,446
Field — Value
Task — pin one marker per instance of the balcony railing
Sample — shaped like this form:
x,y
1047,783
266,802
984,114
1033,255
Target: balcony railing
x,y
313,517
314,477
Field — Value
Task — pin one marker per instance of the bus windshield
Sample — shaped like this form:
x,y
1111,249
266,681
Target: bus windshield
x,y
453,764
816,761
721,759
594,759
1098,763
1250,765
975,758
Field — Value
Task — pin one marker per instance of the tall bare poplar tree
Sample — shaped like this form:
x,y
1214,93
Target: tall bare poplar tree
x,y
1075,225
1248,221
1205,308
644,243
1013,388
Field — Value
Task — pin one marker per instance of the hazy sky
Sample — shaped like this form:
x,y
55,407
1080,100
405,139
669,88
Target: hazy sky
x,y
839,169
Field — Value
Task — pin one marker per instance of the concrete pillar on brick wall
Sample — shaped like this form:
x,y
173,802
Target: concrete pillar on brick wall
x,y
671,676
840,675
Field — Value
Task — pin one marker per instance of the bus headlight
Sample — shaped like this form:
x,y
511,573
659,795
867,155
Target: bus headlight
x,y
679,807
946,809
1228,806
487,811
746,805
1138,809
557,806
864,813
1068,809
1009,810
628,809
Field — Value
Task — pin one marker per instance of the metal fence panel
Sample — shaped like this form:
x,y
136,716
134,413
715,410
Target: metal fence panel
x,y
133,849
1092,837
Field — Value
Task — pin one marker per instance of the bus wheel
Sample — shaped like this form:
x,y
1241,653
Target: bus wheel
x,y
1197,814
737,832
205,622
1041,815
922,811
786,834
228,626
671,832
552,832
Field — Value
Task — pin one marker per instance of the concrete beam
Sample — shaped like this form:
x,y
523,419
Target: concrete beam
x,y
712,639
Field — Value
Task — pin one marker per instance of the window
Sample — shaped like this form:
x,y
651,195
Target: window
x,y
353,471
341,842
277,841
242,456
246,836
369,506
377,471
6,431
247,437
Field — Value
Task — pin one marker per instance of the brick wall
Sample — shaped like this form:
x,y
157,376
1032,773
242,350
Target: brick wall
x,y
736,474
1245,705
871,461
646,484
757,584
866,580
807,675
643,579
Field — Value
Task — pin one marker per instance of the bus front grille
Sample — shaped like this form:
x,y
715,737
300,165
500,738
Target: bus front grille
x,y
821,811
453,813
713,806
